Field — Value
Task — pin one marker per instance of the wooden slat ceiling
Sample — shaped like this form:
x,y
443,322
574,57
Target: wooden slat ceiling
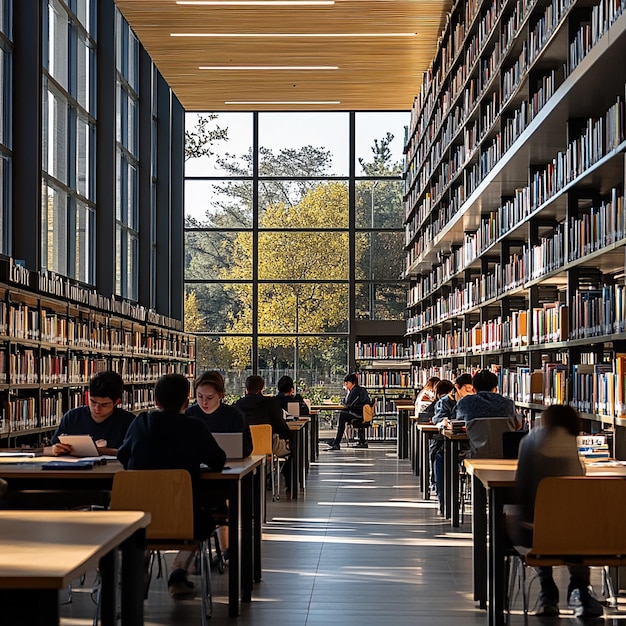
x,y
381,73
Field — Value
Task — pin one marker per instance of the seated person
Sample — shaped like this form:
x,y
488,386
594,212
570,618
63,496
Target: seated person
x,y
551,450
356,398
445,410
218,416
426,396
260,409
167,439
287,393
103,419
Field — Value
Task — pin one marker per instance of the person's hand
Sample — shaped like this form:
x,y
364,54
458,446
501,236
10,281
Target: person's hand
x,y
101,443
59,449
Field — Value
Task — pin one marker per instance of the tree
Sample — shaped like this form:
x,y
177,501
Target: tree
x,y
199,141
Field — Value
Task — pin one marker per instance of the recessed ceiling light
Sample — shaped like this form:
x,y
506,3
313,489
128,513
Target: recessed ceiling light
x,y
228,68
251,35
283,102
257,3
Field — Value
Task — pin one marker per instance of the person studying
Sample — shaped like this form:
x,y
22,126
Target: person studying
x,y
102,418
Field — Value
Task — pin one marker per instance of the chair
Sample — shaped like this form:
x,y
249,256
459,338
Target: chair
x,y
168,496
579,520
369,411
485,436
263,443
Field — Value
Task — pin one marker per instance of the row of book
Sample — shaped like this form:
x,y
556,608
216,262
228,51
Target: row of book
x,y
387,379
379,350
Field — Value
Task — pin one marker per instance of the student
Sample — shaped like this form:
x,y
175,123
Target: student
x,y
168,439
551,450
426,395
356,398
102,418
287,393
218,416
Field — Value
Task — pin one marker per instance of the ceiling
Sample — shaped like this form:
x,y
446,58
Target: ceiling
x,y
382,51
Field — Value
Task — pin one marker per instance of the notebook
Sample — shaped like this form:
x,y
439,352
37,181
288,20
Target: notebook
x,y
82,445
231,443
293,408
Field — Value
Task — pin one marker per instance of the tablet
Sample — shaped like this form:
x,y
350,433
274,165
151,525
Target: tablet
x,y
82,445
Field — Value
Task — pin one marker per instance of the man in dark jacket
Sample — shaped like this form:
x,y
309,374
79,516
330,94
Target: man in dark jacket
x,y
167,439
356,398
287,394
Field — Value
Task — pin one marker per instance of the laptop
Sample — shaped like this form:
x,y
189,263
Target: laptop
x,y
231,443
293,408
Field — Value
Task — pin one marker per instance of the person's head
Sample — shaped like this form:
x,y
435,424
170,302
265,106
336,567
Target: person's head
x,y
285,385
209,391
463,385
350,381
254,385
171,393
485,381
105,393
561,415
443,387
431,383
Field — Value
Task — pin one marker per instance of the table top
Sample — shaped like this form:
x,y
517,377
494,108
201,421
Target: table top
x,y
448,433
403,404
49,549
429,428
328,407
298,424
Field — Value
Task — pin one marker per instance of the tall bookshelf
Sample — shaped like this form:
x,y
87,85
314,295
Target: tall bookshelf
x,y
55,335
515,223
382,363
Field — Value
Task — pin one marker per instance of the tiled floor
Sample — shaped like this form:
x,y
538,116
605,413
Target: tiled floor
x,y
360,548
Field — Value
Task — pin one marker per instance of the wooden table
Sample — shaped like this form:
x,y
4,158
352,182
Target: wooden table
x,y
404,407
314,436
298,444
244,486
493,482
451,450
42,552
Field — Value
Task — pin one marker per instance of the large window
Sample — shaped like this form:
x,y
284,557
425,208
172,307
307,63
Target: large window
x,y
6,49
127,166
280,255
68,138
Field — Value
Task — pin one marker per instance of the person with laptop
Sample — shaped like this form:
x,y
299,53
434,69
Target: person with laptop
x,y
102,418
168,439
287,395
218,416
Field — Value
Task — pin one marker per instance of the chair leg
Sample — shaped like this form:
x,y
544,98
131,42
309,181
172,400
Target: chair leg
x,y
608,589
205,586
276,470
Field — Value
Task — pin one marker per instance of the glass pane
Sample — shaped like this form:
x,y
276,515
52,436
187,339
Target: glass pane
x,y
132,267
218,144
85,252
5,98
219,307
58,43
5,12
303,144
380,143
54,152
380,301
85,161
215,255
321,364
303,308
132,75
132,200
84,76
85,12
54,230
303,204
119,240
5,202
303,256
379,255
218,204
379,204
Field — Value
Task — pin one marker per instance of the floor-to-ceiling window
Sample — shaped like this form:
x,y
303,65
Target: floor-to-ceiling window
x,y
6,47
68,138
293,229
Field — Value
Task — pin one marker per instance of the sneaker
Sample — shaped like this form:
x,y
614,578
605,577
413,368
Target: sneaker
x,y
179,589
333,446
584,604
547,607
361,445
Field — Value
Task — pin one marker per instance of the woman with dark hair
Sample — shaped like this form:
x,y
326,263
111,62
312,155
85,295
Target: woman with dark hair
x,y
551,450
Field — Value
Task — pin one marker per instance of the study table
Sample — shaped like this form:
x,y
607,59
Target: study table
x,y
405,407
451,451
493,483
42,552
244,486
298,444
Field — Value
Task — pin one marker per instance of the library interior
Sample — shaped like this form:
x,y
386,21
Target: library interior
x,y
407,218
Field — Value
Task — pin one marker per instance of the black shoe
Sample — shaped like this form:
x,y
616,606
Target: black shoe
x,y
333,446
584,604
547,606
361,445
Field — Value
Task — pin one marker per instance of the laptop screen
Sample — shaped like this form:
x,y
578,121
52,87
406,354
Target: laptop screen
x,y
293,408
231,443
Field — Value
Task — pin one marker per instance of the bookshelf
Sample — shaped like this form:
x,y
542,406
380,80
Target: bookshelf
x,y
384,370
55,334
514,188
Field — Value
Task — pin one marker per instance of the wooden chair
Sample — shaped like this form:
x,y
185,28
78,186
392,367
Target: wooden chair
x,y
263,443
168,496
369,412
579,520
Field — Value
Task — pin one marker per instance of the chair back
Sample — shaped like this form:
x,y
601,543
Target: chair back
x,y
510,443
485,436
261,439
579,519
369,410
166,494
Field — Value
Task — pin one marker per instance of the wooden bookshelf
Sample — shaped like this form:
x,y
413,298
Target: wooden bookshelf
x,y
515,217
55,335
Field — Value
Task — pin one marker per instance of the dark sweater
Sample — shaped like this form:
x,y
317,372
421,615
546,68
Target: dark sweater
x,y
356,399
485,404
284,399
225,419
167,440
259,409
79,422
